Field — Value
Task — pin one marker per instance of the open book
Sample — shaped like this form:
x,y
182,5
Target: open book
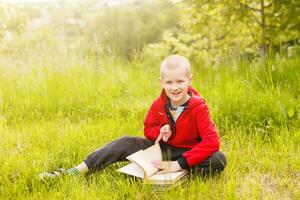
x,y
141,167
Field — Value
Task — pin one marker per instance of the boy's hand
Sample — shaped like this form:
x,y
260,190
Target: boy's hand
x,y
165,133
166,166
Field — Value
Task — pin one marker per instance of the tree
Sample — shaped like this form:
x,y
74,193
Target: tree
x,y
269,21
210,29
206,32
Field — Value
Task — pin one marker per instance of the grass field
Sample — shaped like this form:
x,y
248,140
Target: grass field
x,y
54,110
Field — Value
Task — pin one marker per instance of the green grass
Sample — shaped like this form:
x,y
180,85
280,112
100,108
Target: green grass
x,y
56,110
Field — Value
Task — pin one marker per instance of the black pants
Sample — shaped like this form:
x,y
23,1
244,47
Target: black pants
x,y
119,149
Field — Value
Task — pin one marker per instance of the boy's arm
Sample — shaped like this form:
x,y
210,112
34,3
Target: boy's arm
x,y
209,140
152,123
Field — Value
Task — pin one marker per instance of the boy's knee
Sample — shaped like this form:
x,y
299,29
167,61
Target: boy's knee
x,y
125,141
124,138
131,143
215,164
218,161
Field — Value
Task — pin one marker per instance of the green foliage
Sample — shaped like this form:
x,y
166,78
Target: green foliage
x,y
212,31
270,22
125,30
206,33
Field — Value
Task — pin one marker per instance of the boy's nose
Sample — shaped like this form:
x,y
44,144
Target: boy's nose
x,y
174,87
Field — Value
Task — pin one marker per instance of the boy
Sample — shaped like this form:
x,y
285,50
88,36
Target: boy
x,y
178,120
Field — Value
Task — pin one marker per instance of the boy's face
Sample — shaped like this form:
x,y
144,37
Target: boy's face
x,y
175,82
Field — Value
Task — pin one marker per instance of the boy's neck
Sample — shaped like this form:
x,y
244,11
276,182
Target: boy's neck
x,y
175,105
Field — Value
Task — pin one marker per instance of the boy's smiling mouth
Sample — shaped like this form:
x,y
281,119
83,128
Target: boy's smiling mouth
x,y
175,93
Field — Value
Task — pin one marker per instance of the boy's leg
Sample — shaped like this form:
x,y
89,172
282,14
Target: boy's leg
x,y
115,151
216,163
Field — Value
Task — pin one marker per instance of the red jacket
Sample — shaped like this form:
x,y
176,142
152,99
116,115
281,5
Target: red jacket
x,y
194,124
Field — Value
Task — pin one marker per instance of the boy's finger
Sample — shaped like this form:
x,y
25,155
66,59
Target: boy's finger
x,y
158,138
167,128
165,138
157,164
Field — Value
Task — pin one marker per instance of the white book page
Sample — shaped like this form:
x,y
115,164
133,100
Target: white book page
x,y
132,169
167,176
144,157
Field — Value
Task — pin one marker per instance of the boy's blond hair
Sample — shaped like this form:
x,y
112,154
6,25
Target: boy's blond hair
x,y
173,62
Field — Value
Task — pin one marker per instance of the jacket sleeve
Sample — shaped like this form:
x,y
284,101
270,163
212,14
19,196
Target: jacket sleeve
x,y
152,123
209,140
